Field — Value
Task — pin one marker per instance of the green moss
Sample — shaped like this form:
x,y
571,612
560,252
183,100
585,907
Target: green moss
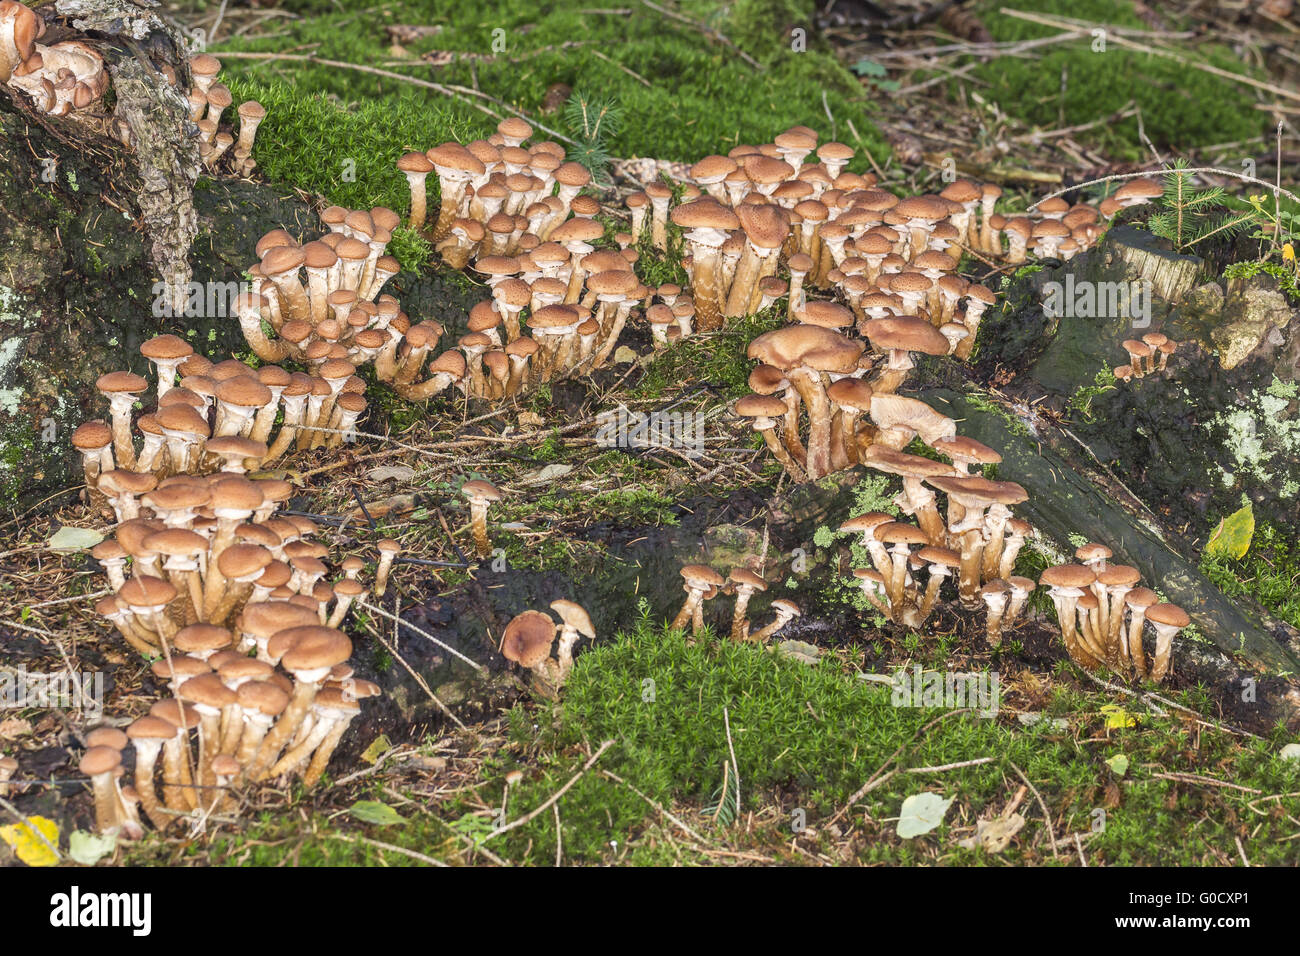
x,y
1270,572
346,152
17,444
1287,279
700,98
716,359
1081,401
1068,83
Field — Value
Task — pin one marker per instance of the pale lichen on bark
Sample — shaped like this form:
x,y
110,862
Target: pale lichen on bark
x,y
164,141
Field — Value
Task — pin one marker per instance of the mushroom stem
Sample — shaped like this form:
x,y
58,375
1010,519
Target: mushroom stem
x,y
106,806
478,520
175,774
814,397
320,760
739,626
1136,618
688,611
972,551
146,759
304,692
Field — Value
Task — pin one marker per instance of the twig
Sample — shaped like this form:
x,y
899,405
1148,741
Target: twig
x,y
1047,817
380,611
708,31
451,89
666,815
950,766
424,686
876,779
553,798
381,845
1207,781
632,73
735,766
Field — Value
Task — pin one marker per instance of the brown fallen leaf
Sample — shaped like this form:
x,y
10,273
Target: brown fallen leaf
x,y
994,836
14,727
394,506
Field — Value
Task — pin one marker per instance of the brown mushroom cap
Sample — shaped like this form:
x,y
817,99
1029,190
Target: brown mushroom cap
x,y
905,333
312,647
1119,576
944,556
962,448
207,690
746,578
901,463
1067,576
1092,552
976,491
575,616
701,576
480,490
527,638
867,523
151,728
795,345
1141,598
99,760
1170,615
899,532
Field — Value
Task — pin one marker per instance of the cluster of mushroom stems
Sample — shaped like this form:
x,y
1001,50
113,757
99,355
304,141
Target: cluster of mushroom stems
x,y
977,539
208,100
1103,611
529,637
210,416
557,304
320,299
701,583
1146,355
221,591
233,722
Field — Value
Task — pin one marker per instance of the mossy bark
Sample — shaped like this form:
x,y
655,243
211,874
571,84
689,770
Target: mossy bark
x,y
1218,424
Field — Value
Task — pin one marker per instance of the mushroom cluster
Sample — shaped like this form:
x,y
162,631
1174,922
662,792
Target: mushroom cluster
x,y
320,299
701,583
553,312
210,416
1146,355
496,196
60,78
767,206
233,721
528,638
197,550
977,539
208,100
1102,610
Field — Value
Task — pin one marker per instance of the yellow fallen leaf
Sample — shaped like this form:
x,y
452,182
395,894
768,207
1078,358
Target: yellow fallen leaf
x,y
27,843
1117,718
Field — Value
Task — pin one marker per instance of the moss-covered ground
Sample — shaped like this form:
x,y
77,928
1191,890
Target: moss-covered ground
x,y
667,749
1123,783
